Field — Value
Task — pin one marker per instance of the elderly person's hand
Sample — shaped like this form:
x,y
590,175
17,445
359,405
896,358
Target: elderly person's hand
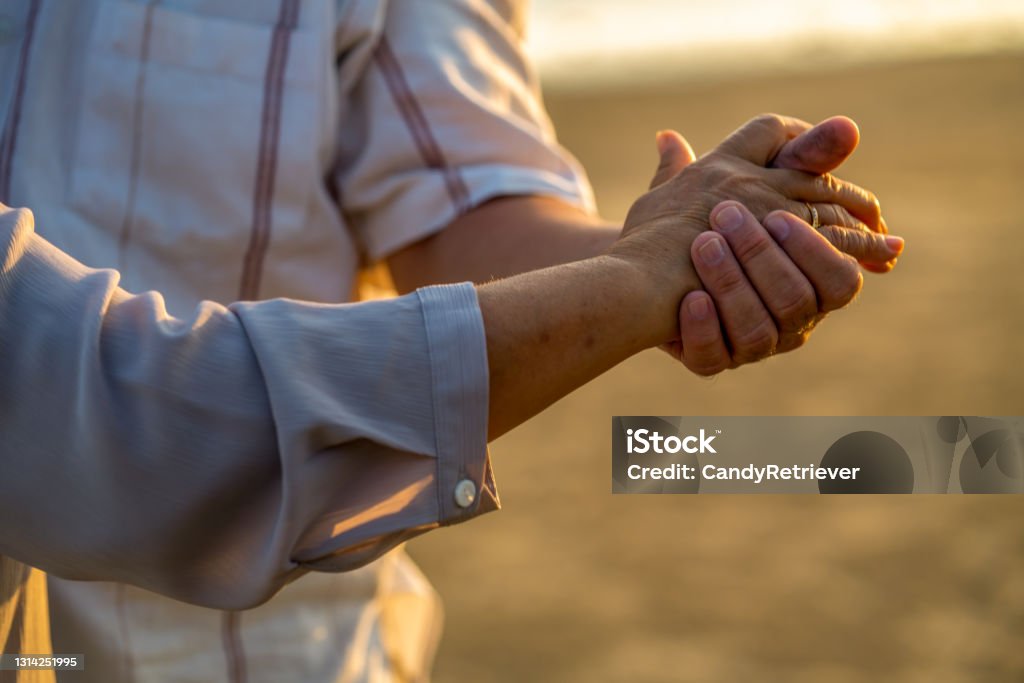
x,y
776,307
805,153
790,277
805,274
820,150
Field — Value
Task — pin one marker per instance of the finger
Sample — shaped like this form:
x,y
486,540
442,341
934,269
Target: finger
x,y
790,341
675,154
834,275
880,268
828,189
828,214
877,252
760,139
781,285
704,349
850,236
749,327
822,148
867,247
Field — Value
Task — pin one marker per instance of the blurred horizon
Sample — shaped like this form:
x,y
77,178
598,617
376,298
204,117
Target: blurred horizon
x,y
587,44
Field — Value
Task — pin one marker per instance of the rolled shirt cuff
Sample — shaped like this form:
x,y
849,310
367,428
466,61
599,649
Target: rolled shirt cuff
x,y
458,365
458,469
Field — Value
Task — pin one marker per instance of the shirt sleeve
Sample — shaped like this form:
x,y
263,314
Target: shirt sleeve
x,y
446,115
216,458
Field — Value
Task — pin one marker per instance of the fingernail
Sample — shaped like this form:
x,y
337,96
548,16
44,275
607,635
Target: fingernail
x,y
699,308
895,244
728,219
777,226
711,252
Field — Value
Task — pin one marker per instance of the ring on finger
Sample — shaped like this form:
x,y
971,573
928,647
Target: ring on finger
x,y
815,219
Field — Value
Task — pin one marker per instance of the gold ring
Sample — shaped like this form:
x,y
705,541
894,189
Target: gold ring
x,y
815,221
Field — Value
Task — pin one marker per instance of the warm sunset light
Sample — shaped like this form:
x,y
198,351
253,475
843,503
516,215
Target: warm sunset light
x,y
579,42
471,340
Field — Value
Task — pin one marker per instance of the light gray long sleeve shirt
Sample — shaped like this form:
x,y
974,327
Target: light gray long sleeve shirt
x,y
215,458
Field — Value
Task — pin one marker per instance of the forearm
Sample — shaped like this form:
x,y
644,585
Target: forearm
x,y
551,331
243,436
503,237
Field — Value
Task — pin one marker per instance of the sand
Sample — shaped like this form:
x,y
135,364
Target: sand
x,y
570,583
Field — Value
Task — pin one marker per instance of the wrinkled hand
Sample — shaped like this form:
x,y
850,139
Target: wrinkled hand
x,y
850,216
820,150
789,287
785,296
770,281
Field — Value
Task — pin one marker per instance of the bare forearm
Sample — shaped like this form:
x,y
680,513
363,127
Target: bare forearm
x,y
557,313
501,238
551,331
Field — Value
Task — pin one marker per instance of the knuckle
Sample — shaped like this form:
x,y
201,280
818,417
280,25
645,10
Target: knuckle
x,y
797,307
839,237
859,241
756,343
875,247
751,245
832,214
729,280
852,244
771,122
792,341
828,185
861,202
874,208
840,216
712,170
856,284
845,288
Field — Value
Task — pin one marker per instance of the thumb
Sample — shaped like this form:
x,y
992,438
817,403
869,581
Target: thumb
x,y
820,149
676,154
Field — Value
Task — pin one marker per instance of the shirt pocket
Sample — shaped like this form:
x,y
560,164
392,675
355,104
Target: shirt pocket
x,y
194,131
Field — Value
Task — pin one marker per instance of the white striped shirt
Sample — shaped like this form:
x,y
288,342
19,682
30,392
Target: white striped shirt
x,y
224,151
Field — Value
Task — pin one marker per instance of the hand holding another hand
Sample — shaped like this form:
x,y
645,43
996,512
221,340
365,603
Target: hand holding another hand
x,y
713,264
771,281
767,288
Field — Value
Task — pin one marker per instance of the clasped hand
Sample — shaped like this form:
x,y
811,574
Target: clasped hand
x,y
761,278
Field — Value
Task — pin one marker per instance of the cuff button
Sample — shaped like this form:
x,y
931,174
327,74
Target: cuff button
x,y
465,493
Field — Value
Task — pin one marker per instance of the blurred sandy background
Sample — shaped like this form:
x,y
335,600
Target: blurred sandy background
x,y
570,583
